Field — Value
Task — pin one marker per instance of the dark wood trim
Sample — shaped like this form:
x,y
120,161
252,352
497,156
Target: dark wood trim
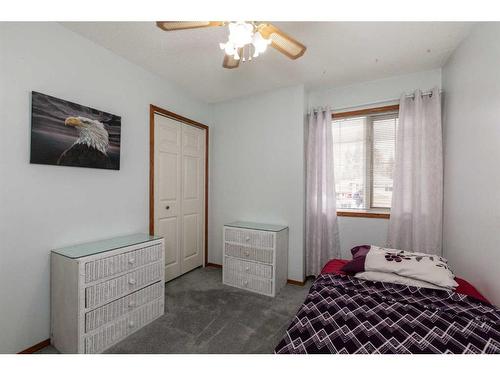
x,y
368,111
215,265
295,282
177,117
373,215
36,347
152,110
151,169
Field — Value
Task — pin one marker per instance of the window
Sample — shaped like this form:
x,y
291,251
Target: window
x,y
364,144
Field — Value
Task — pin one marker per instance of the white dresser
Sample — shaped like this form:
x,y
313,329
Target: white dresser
x,y
103,291
255,257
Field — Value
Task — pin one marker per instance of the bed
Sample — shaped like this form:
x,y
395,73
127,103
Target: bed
x,y
346,315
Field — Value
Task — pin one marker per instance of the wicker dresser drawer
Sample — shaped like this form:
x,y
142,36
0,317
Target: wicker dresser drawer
x,y
264,286
110,334
234,265
255,256
105,267
114,310
104,292
248,253
252,238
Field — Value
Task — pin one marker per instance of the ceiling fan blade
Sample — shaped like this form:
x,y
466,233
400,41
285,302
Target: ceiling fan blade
x,y
183,25
229,61
281,41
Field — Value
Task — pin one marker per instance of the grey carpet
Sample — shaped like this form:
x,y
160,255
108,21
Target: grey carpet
x,y
204,316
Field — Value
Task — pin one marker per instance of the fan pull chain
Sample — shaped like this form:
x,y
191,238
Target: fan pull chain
x,y
247,53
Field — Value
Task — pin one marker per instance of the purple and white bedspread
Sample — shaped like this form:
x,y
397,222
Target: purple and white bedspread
x,y
342,314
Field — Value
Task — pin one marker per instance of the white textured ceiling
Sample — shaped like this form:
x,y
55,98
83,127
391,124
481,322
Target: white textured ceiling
x,y
338,54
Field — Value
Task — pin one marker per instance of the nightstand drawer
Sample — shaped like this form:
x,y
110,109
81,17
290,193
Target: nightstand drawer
x,y
263,286
248,268
255,256
249,253
261,239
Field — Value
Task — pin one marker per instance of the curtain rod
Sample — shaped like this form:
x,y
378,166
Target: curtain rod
x,y
424,93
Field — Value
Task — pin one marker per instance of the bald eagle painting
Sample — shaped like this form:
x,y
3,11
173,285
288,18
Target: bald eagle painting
x,y
69,134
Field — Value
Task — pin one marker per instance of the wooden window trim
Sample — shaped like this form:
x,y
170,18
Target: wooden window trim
x,y
365,213
367,111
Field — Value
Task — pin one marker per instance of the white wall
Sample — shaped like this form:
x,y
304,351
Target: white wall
x,y
355,231
257,168
471,233
382,90
358,231
43,207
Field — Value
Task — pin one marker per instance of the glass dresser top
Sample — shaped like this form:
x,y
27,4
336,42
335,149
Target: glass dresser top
x,y
257,226
91,248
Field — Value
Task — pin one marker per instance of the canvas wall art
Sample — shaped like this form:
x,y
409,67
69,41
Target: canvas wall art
x,y
70,134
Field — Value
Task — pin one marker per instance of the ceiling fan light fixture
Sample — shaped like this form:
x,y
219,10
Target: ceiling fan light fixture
x,y
260,43
228,48
240,33
244,35
246,40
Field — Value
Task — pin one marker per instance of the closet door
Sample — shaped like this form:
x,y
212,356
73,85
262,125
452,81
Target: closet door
x,y
167,191
179,194
193,197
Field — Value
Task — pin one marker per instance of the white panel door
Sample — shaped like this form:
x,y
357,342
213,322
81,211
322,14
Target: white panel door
x,y
179,194
167,191
193,197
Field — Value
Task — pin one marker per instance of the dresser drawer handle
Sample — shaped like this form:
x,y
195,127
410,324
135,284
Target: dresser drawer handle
x,y
131,261
247,239
131,304
131,324
247,269
131,281
247,253
245,283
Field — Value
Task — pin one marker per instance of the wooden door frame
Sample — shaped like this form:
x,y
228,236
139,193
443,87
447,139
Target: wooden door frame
x,y
163,112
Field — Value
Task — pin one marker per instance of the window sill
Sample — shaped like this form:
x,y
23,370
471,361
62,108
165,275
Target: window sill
x,y
373,214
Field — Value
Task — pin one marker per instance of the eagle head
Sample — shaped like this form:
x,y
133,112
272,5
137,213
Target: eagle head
x,y
92,132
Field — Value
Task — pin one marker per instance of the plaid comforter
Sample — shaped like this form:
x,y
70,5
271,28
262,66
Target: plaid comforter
x,y
342,314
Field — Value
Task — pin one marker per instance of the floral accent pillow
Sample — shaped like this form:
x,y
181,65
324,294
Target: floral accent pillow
x,y
420,266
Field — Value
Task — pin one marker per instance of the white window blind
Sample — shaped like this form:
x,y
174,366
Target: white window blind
x,y
364,149
384,147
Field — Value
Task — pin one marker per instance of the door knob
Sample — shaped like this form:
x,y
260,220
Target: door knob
x,y
168,207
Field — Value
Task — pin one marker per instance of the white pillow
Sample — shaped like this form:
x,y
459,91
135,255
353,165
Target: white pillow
x,y
396,279
424,267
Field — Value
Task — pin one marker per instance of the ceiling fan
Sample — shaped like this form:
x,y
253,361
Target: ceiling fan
x,y
246,39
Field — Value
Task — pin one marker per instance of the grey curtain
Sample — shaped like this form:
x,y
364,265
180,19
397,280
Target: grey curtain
x,y
322,239
417,198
